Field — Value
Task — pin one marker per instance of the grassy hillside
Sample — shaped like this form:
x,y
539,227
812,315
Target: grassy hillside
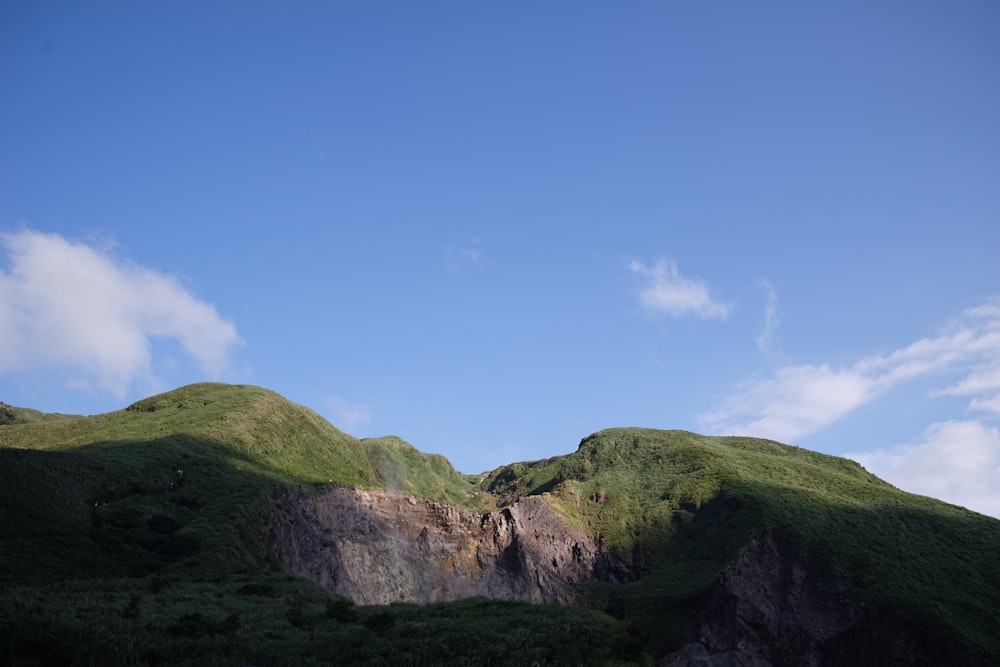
x,y
100,563
689,502
90,531
100,484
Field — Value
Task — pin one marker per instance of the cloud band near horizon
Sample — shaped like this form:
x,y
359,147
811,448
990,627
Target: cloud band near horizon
x,y
801,399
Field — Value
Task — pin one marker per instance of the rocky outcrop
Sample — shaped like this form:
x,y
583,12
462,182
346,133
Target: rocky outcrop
x,y
376,547
772,607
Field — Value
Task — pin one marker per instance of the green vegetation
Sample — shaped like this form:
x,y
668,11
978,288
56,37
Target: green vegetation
x,y
690,502
279,620
403,469
13,415
88,496
101,563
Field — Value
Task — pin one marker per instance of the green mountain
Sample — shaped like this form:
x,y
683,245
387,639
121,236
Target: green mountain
x,y
166,534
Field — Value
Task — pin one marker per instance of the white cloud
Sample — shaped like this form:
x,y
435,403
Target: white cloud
x,y
988,311
348,417
801,399
796,401
956,461
665,290
78,310
986,404
976,383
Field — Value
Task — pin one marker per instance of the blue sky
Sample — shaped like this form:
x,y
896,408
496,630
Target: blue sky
x,y
494,229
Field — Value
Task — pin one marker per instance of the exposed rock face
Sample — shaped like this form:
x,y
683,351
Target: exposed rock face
x,y
771,607
377,548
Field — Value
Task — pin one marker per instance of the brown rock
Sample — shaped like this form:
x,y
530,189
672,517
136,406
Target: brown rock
x,y
376,547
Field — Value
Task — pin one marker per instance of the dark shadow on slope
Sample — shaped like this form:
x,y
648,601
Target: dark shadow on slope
x,y
932,564
209,599
901,579
114,509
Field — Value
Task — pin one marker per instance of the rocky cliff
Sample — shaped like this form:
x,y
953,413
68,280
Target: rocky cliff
x,y
376,547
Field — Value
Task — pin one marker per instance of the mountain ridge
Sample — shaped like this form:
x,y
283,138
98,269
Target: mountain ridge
x,y
89,498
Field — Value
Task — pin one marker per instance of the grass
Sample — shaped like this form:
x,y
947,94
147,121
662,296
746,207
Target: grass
x,y
10,414
101,564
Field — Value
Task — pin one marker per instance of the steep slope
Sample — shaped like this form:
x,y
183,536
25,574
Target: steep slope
x,y
694,506
741,551
108,488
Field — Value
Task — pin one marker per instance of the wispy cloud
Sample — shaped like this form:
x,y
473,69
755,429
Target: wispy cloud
x,y
470,255
766,339
956,461
989,404
347,416
76,309
665,290
795,401
798,400
982,385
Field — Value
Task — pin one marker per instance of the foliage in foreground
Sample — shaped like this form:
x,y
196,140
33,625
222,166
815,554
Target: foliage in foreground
x,y
278,620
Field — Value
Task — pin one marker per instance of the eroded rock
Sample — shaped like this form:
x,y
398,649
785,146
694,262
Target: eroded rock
x,y
773,607
376,547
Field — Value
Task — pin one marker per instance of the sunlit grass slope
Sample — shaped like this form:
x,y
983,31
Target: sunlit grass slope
x,y
690,502
260,430
10,414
